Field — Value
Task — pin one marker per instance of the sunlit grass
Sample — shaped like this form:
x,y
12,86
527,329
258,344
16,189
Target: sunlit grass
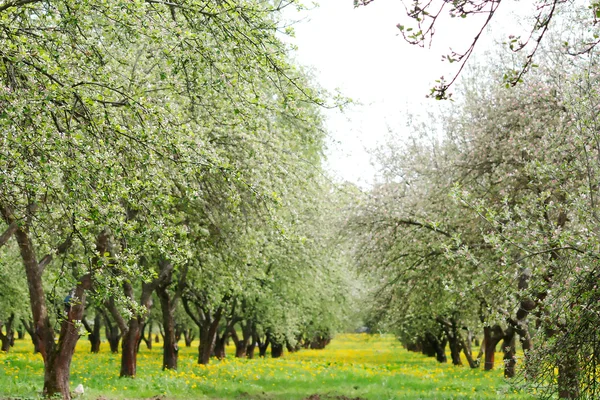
x,y
367,366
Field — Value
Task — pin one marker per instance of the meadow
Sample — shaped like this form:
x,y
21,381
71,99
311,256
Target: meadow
x,y
353,366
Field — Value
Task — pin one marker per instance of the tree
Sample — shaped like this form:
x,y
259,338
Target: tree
x,y
424,16
105,114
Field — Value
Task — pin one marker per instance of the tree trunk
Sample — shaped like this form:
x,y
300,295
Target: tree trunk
x,y
204,347
21,332
94,332
455,349
113,339
220,342
568,375
8,339
491,337
241,345
436,347
262,346
250,350
207,323
129,347
170,348
112,333
276,349
147,340
188,336
508,347
28,325
57,356
466,348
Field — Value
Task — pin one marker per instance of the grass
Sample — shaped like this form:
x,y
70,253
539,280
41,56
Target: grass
x,y
353,365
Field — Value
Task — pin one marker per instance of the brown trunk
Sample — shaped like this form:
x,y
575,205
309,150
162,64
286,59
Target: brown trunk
x,y
508,347
240,345
276,349
146,339
451,330
208,335
568,375
289,347
114,337
250,350
467,352
28,325
219,349
455,349
262,346
435,347
204,347
94,332
132,331
170,348
206,321
112,333
57,356
491,337
276,346
129,346
8,338
149,340
188,336
21,332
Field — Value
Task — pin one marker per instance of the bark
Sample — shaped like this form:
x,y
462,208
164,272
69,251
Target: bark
x,y
168,304
129,346
170,348
481,352
455,349
250,350
262,345
319,342
223,339
8,338
468,354
492,335
112,331
241,345
20,332
94,332
220,342
509,350
276,348
419,347
57,356
289,347
206,321
568,375
188,336
28,325
147,339
12,228
132,330
450,328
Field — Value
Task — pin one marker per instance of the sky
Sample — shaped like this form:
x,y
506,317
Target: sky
x,y
359,52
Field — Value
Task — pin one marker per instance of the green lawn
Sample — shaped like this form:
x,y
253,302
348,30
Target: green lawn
x,y
356,366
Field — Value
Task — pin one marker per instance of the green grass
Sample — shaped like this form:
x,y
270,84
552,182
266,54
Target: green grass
x,y
365,366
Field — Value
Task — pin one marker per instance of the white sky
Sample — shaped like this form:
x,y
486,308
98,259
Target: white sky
x,y
360,52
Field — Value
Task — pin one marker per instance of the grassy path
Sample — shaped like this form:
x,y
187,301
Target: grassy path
x,y
353,366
